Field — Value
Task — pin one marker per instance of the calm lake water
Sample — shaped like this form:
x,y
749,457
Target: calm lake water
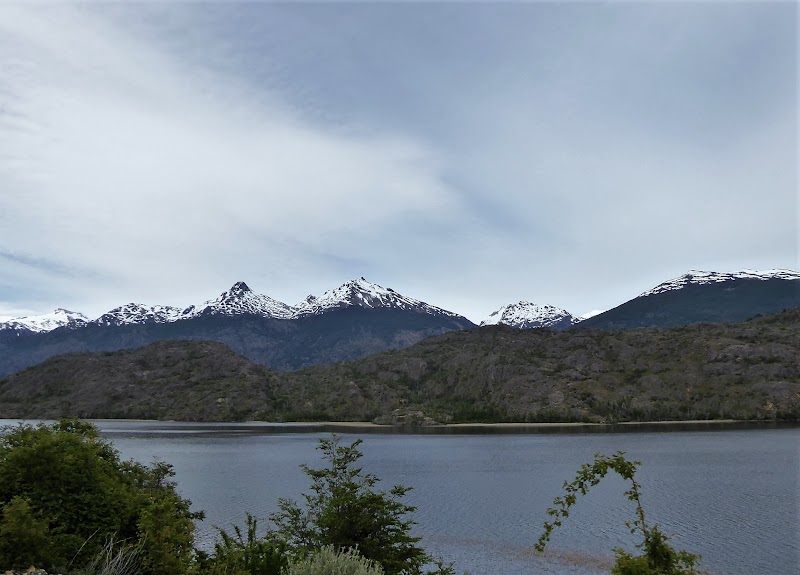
x,y
731,496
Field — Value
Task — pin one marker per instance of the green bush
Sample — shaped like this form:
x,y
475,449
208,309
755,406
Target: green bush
x,y
247,554
24,536
344,511
328,561
65,487
659,558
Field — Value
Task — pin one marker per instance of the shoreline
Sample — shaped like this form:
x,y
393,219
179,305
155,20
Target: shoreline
x,y
546,427
382,425
496,426
510,425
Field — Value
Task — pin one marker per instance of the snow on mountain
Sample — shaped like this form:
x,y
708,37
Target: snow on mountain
x,y
525,315
589,314
362,293
698,277
240,299
136,313
47,322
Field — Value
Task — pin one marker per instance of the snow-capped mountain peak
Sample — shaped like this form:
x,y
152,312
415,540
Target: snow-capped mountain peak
x,y
240,299
700,277
136,313
525,315
239,288
47,322
363,293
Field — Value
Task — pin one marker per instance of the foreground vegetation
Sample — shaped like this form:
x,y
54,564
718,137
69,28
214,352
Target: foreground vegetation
x,y
69,504
65,495
66,499
742,371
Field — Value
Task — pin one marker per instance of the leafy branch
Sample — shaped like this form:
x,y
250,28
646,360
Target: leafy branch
x,y
659,557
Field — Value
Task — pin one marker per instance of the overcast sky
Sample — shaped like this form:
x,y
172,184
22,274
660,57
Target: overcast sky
x,y
469,155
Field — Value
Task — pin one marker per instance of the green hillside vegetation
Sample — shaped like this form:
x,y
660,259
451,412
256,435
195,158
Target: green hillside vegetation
x,y
749,370
166,380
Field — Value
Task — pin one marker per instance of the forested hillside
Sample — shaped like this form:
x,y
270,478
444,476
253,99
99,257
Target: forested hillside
x,y
749,370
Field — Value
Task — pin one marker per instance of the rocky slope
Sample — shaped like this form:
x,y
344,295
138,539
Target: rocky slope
x,y
281,344
496,373
180,380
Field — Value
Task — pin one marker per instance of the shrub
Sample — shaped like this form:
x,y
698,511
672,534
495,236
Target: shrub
x,y
237,554
64,485
344,511
24,537
328,561
659,558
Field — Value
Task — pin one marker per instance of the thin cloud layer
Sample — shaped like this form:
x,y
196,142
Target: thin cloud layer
x,y
122,162
466,155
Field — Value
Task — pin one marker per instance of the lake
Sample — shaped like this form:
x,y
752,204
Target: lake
x,y
731,495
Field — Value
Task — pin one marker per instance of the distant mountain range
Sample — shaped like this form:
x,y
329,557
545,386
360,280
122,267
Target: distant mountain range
x,y
747,370
360,318
238,300
356,319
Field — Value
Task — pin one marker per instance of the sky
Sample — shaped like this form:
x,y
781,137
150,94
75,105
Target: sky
x,y
467,154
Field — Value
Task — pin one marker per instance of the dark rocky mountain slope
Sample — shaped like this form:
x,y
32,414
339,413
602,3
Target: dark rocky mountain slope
x,y
280,344
699,297
175,380
744,371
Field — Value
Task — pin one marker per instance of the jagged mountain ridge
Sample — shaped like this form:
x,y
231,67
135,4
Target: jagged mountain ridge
x,y
136,313
238,300
353,321
362,293
528,315
241,300
46,322
358,320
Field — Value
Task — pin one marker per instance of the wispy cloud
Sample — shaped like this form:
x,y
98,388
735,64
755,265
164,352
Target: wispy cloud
x,y
470,155
117,158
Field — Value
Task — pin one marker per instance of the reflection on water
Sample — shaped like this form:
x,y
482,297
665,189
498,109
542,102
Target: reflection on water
x,y
731,496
